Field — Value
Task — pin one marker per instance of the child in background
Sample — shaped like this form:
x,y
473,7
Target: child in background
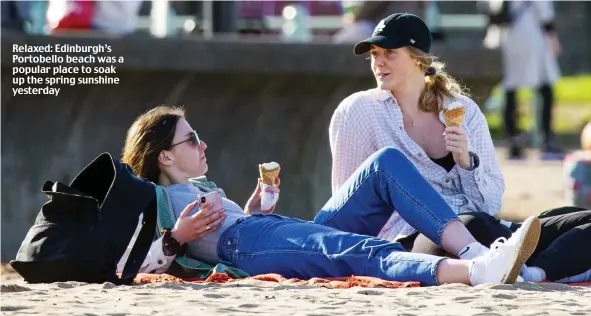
x,y
577,167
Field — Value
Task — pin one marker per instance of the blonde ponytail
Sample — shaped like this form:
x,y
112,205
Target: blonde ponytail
x,y
438,85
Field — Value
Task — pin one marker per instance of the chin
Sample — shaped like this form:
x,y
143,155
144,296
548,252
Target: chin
x,y
198,173
384,86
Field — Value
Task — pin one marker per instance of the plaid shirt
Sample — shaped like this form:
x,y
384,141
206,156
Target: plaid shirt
x,y
370,120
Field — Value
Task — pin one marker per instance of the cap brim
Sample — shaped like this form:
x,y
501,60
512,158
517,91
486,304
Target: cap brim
x,y
381,41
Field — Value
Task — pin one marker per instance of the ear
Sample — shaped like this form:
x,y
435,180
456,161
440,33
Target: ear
x,y
165,157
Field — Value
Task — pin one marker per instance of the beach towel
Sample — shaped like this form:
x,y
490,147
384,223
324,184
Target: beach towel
x,y
331,283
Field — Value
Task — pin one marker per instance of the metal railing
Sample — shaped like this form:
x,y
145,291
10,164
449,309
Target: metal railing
x,y
161,21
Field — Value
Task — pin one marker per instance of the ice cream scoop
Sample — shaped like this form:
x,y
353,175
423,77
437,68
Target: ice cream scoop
x,y
269,172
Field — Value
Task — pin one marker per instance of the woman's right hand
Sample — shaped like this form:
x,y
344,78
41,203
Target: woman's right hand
x,y
192,227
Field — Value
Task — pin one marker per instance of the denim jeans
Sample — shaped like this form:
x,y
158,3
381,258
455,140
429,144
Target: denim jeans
x,y
339,242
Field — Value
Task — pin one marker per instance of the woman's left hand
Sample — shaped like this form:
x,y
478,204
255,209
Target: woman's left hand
x,y
253,205
456,142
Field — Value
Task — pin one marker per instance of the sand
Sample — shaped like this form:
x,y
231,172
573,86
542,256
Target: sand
x,y
73,298
532,186
526,194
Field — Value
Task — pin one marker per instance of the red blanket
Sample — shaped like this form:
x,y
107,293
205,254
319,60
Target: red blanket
x,y
333,283
580,284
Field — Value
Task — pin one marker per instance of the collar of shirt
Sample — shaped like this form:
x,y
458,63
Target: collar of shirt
x,y
385,96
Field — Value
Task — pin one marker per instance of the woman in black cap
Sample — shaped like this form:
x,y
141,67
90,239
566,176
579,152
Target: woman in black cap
x,y
405,111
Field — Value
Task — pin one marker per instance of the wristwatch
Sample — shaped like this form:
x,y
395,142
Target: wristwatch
x,y
474,161
170,246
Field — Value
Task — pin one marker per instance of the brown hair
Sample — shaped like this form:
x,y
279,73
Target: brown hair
x,y
439,85
151,133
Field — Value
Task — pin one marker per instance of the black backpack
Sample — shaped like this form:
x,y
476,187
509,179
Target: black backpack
x,y
81,233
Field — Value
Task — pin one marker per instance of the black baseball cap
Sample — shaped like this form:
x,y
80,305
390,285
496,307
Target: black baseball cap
x,y
398,30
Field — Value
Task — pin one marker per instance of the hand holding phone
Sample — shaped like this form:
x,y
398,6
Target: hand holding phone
x,y
202,216
213,199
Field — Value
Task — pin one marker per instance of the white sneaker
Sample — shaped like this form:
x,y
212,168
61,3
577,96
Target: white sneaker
x,y
506,257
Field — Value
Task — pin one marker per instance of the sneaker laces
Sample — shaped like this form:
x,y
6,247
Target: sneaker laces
x,y
493,253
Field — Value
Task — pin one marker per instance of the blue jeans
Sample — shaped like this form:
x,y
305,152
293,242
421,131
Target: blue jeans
x,y
339,242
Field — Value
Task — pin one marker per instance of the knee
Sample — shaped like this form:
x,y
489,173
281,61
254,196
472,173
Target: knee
x,y
585,218
390,155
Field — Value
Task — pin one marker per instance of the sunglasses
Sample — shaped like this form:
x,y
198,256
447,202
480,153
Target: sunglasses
x,y
193,138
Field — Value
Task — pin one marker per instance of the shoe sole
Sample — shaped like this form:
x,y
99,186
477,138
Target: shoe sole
x,y
528,246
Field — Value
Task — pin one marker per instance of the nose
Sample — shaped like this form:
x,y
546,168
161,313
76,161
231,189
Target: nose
x,y
375,66
377,60
203,146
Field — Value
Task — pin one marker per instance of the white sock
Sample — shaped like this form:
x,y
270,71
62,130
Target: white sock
x,y
532,274
472,250
583,277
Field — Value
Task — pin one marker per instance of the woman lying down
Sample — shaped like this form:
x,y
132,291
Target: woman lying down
x,y
162,147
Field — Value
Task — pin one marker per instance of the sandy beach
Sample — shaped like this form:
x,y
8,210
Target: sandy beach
x,y
258,297
526,194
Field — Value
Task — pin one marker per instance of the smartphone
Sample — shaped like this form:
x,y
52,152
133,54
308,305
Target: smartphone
x,y
213,198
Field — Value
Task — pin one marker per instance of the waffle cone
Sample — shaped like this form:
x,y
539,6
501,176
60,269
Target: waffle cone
x,y
269,176
454,117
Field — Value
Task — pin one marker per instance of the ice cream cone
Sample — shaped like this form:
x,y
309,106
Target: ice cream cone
x,y
454,114
269,172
